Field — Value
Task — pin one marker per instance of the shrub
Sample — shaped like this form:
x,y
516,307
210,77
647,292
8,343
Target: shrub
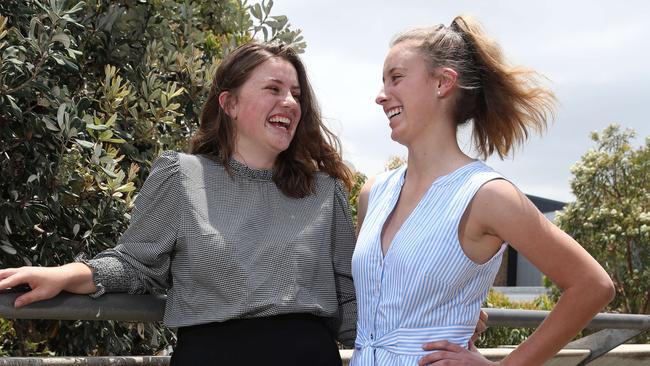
x,y
611,214
498,336
90,93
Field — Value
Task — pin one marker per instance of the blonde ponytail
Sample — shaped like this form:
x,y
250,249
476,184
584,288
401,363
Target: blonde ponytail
x,y
503,102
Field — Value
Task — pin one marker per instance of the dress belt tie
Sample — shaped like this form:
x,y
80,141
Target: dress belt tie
x,y
407,341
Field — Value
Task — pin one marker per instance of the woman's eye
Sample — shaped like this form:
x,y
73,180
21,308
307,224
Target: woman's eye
x,y
296,96
274,89
396,77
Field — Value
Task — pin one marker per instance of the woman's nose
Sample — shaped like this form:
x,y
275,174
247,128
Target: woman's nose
x,y
381,97
290,100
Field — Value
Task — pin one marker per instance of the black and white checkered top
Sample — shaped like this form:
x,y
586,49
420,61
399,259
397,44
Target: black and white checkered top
x,y
227,247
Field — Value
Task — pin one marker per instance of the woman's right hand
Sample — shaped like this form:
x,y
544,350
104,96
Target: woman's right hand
x,y
47,282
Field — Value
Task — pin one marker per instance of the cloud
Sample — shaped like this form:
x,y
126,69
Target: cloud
x,y
593,52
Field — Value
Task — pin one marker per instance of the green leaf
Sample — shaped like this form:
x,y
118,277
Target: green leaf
x,y
175,92
50,125
8,248
32,178
71,65
267,8
105,135
7,227
85,144
256,10
14,107
282,20
129,187
109,172
111,121
90,126
274,24
63,38
32,27
97,151
77,7
60,115
116,141
59,60
75,229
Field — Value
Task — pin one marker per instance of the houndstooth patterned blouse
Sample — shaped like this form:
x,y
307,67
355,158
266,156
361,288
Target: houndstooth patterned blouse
x,y
226,247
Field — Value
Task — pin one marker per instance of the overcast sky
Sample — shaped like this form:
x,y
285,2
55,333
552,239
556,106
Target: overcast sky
x,y
595,53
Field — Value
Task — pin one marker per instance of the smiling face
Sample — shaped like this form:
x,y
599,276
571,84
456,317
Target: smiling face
x,y
266,112
408,95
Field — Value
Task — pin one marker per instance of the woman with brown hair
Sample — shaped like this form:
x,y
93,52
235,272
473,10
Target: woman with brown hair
x,y
250,234
433,232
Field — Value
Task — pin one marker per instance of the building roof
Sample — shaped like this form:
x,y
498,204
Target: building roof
x,y
546,205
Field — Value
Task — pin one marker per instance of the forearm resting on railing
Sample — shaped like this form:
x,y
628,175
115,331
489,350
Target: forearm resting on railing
x,y
47,282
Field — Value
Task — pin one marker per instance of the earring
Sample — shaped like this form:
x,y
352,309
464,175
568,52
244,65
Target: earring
x,y
438,92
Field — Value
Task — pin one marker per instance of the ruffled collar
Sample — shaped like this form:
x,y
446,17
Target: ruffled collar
x,y
243,170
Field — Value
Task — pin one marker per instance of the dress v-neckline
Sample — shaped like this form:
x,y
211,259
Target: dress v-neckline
x,y
443,179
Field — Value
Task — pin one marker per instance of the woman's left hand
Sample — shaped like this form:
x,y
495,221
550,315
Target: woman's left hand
x,y
451,354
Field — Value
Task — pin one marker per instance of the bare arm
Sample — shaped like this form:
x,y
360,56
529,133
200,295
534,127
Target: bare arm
x,y
47,282
500,210
505,212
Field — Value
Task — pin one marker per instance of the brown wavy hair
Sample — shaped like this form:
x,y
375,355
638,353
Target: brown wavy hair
x,y
314,147
504,102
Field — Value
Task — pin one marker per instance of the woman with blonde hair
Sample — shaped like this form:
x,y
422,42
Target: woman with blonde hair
x,y
433,232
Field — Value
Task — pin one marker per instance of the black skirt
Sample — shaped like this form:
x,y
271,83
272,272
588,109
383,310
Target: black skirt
x,y
291,340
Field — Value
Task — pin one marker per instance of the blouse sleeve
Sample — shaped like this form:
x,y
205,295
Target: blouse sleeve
x,y
343,240
141,260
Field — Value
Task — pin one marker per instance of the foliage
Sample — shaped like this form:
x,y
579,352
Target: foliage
x,y
611,214
7,337
90,93
498,336
359,180
395,162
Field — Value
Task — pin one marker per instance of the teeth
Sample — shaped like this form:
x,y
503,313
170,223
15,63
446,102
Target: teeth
x,y
395,111
278,119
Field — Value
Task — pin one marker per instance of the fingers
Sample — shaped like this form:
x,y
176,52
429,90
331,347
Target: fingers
x,y
472,347
40,280
481,326
35,295
483,316
442,346
438,358
4,273
457,356
11,278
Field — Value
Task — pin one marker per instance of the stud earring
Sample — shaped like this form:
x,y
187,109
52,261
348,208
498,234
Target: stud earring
x,y
438,92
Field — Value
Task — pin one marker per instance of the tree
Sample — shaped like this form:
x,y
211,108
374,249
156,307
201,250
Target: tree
x,y
611,214
90,93
359,180
395,162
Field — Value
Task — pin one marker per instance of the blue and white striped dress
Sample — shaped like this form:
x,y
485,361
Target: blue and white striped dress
x,y
425,288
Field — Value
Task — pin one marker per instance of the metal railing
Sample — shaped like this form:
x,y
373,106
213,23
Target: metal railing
x,y
614,329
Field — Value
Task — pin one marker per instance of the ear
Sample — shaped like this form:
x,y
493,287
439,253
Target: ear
x,y
228,104
447,78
